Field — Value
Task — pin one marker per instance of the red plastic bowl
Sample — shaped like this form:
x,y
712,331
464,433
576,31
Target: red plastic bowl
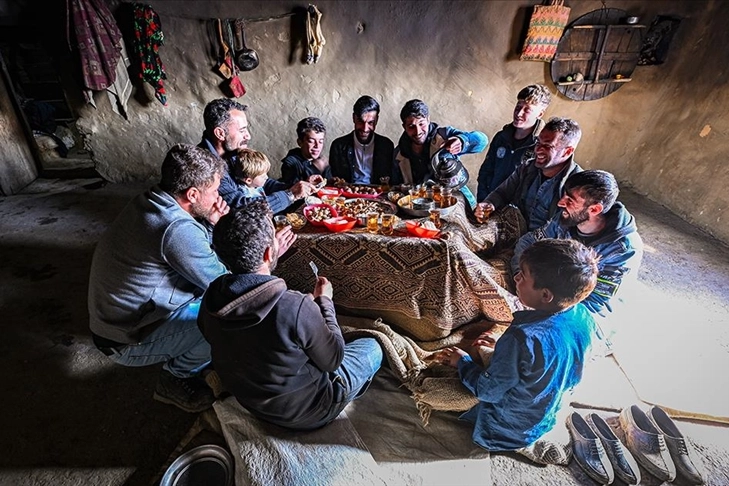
x,y
329,191
415,229
340,223
311,207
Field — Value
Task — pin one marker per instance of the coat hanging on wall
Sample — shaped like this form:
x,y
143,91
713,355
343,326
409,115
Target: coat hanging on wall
x,y
148,38
545,29
657,40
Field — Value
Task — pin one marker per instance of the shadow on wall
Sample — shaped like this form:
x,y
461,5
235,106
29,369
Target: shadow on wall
x,y
519,28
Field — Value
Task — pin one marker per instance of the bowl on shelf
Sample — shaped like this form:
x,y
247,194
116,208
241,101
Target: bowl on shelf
x,y
317,213
415,228
340,223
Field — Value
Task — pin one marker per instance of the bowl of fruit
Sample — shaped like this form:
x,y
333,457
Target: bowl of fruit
x,y
317,213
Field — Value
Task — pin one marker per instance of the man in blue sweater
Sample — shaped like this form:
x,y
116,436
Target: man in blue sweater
x,y
149,272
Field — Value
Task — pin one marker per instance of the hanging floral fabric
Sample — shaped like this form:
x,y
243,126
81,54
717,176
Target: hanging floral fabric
x,y
148,38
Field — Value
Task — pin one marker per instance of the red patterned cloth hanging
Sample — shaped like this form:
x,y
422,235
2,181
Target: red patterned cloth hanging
x,y
98,40
148,38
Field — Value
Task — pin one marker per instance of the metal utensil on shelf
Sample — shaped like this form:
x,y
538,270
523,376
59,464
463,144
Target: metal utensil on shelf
x,y
314,269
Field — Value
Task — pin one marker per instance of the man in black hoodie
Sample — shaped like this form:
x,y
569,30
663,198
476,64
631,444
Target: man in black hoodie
x,y
590,213
279,352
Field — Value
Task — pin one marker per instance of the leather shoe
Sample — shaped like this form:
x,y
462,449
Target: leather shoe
x,y
588,450
682,452
621,459
647,443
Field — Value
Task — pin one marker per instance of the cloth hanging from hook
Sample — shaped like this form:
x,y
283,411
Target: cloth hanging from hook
x,y
314,38
99,43
148,38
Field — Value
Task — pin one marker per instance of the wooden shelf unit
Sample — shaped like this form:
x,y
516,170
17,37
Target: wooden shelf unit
x,y
598,47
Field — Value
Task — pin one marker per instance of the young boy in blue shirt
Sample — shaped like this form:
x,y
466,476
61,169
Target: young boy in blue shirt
x,y
538,358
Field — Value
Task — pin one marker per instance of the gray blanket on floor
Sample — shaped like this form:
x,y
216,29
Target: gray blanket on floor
x,y
268,455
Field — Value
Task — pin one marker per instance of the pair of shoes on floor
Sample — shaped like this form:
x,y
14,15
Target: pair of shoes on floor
x,y
599,452
189,394
546,452
658,445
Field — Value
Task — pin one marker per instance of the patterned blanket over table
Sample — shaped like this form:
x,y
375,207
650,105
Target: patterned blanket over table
x,y
425,287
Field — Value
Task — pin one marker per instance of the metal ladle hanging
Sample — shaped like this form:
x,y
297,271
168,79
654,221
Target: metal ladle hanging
x,y
245,58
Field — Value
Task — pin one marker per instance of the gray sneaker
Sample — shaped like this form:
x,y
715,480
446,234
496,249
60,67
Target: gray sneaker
x,y
546,452
190,394
622,460
647,443
588,450
682,452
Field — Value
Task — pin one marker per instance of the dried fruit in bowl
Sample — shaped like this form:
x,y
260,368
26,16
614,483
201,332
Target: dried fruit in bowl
x,y
297,221
317,213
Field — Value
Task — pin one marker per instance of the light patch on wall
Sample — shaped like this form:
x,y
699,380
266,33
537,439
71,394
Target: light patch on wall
x,y
705,131
470,93
272,79
336,95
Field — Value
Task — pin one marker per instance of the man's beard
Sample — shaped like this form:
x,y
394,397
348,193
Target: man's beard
x,y
198,211
574,219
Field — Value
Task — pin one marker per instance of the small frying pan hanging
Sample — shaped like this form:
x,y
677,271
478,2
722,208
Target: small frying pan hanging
x,y
246,59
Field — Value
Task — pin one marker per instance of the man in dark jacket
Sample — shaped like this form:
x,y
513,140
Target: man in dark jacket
x,y
536,187
362,156
591,215
305,161
514,144
226,131
281,353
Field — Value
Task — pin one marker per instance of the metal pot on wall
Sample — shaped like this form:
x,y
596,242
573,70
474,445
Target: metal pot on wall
x,y
246,59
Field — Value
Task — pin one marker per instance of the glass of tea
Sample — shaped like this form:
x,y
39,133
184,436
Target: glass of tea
x,y
388,224
373,222
434,215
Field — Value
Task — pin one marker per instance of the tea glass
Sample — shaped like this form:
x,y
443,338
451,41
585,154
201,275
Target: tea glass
x,y
373,223
414,194
388,224
280,221
385,184
434,215
487,210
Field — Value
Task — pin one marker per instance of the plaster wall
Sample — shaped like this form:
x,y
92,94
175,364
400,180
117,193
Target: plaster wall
x,y
17,167
664,134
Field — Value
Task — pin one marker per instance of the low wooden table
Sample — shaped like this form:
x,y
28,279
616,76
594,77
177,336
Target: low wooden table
x,y
424,287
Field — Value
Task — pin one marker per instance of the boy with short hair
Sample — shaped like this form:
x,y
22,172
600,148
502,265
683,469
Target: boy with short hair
x,y
306,160
514,144
250,170
538,358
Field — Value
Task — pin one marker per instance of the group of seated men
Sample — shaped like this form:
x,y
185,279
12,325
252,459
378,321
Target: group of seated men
x,y
184,277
